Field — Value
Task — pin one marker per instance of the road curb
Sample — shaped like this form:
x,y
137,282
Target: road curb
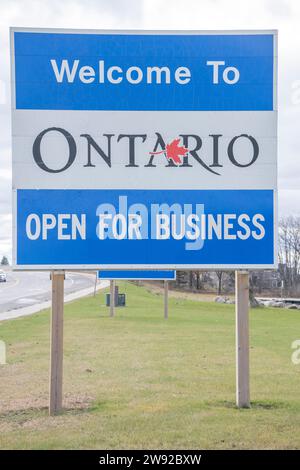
x,y
26,311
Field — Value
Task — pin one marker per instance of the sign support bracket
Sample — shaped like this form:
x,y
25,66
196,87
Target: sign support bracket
x,y
166,300
112,298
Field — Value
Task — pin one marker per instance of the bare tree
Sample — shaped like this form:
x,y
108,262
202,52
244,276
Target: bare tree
x,y
289,253
253,302
191,276
4,261
219,275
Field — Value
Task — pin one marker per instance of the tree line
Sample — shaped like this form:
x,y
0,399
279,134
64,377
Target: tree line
x,y
285,281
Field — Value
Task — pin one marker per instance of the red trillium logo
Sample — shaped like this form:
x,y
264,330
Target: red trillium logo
x,y
173,151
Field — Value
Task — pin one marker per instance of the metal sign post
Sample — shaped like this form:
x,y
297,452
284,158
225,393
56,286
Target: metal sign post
x,y
95,286
56,343
112,298
166,299
242,339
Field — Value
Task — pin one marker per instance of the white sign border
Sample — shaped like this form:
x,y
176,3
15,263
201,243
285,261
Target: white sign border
x,y
47,267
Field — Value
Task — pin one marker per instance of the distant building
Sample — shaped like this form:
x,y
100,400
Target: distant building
x,y
266,280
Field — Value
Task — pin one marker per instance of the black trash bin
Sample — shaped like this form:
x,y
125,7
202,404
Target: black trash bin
x,y
120,300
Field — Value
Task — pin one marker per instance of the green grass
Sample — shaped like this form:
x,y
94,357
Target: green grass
x,y
139,381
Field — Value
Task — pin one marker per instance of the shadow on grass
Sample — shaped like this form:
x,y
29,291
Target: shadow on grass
x,y
22,415
254,405
270,405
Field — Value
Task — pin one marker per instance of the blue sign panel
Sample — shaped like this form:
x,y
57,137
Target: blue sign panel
x,y
172,72
138,275
154,227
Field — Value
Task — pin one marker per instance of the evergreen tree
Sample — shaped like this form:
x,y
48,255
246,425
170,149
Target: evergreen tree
x,y
4,261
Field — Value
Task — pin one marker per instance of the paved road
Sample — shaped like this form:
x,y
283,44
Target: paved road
x,y
24,289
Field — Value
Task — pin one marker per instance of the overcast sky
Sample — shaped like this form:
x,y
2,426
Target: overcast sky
x,y
283,15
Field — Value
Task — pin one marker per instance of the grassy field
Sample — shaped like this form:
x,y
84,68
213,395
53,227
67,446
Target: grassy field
x,y
139,381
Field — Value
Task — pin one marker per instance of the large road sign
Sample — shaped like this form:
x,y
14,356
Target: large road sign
x,y
142,150
150,275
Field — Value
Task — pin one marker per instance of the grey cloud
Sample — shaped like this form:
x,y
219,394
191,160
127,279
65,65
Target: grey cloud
x,y
289,202
171,14
5,235
279,8
5,192
57,12
5,232
5,158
